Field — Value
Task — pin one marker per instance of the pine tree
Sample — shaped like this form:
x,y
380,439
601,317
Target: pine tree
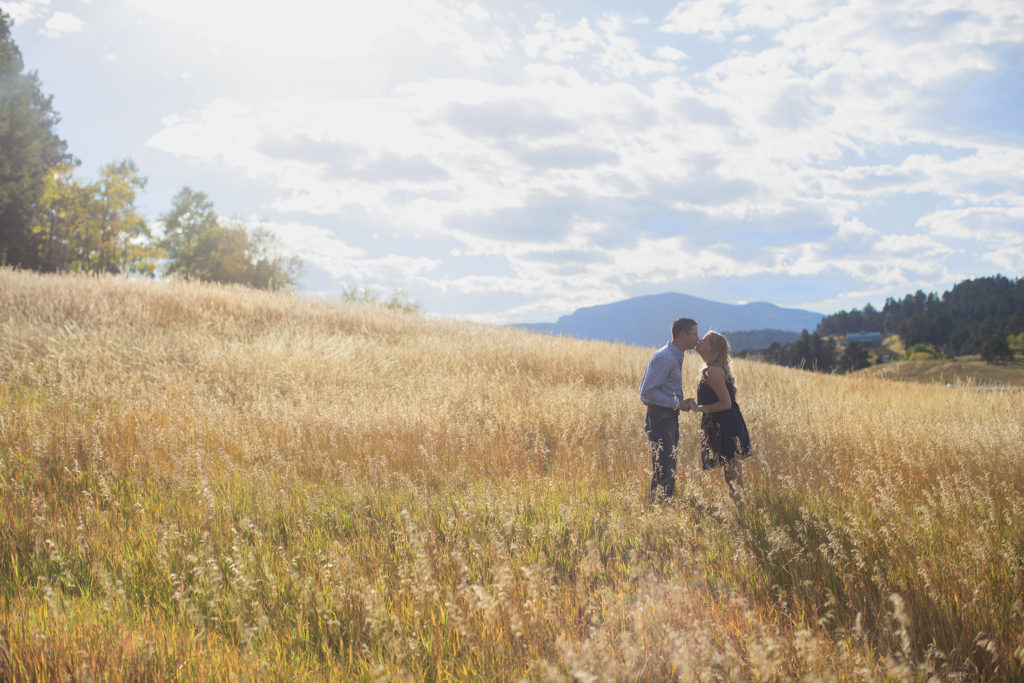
x,y
29,151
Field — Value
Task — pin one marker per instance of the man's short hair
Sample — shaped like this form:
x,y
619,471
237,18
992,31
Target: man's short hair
x,y
682,325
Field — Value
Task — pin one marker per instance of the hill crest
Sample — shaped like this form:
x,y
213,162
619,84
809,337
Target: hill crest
x,y
645,320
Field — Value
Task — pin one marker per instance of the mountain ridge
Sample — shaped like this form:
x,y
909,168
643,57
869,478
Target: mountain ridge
x,y
645,320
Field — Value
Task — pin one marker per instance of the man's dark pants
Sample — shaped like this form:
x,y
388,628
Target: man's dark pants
x,y
662,427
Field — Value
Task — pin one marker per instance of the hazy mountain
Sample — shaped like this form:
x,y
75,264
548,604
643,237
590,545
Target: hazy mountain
x,y
645,320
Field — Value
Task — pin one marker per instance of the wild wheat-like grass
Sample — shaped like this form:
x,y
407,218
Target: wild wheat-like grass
x,y
202,482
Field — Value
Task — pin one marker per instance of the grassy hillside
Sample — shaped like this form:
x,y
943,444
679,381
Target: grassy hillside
x,y
211,483
964,371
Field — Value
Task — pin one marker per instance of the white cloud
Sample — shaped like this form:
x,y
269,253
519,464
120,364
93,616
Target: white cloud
x,y
21,12
854,226
720,17
1009,258
769,155
61,23
671,54
919,246
704,16
977,223
325,250
558,135
553,43
622,58
330,34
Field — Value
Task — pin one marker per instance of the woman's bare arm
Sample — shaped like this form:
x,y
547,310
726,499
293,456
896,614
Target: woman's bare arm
x,y
716,379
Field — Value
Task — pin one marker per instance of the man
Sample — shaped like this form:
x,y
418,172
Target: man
x,y
661,390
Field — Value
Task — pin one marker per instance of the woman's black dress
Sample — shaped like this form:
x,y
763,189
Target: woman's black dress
x,y
723,435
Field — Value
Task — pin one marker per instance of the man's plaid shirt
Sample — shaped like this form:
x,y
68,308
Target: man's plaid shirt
x,y
662,384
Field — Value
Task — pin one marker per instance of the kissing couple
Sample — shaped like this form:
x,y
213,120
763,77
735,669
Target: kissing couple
x,y
724,440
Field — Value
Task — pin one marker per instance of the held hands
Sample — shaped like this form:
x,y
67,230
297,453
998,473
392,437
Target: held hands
x,y
688,404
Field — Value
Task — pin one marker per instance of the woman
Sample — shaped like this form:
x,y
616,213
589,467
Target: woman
x,y
724,439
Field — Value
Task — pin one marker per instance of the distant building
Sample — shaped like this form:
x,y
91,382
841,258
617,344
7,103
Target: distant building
x,y
865,339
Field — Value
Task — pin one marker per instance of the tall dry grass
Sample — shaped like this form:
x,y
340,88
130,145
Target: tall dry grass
x,y
200,482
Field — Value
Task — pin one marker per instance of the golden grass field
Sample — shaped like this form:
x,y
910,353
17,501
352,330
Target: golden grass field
x,y
211,483
965,370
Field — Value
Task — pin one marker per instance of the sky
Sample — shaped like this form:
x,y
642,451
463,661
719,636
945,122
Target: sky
x,y
508,161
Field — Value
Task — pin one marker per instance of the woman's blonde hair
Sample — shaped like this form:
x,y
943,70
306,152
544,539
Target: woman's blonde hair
x,y
718,354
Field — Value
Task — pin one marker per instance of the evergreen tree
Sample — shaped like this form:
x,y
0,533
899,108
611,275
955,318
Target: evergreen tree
x,y
873,320
992,341
800,354
29,149
854,357
826,353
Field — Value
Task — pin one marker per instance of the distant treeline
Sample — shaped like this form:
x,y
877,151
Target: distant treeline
x,y
981,316
959,322
753,340
812,351
50,220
